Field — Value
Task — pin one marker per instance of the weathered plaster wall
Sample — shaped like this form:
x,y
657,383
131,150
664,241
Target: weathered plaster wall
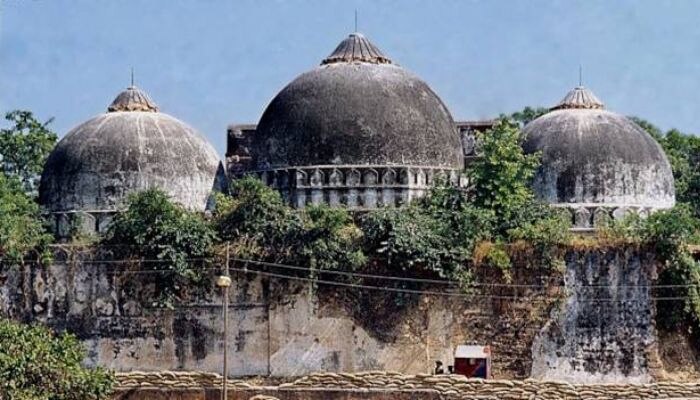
x,y
281,328
605,331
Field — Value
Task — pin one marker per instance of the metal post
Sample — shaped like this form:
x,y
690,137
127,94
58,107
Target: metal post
x,y
224,282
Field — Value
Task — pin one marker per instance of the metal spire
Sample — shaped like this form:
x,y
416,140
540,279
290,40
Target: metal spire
x,y
580,75
132,76
356,20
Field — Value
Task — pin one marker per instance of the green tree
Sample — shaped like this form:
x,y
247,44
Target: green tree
x,y
652,129
22,229
36,364
165,237
683,152
526,115
500,178
24,147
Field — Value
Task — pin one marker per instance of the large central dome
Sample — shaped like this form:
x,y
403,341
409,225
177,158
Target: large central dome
x,y
356,108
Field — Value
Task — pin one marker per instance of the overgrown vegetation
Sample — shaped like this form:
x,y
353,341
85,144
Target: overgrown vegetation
x,y
683,152
163,237
670,232
260,225
451,232
36,364
24,146
22,230
526,115
434,235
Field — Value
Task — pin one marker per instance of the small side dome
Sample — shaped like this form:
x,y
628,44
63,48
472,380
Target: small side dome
x,y
593,158
130,148
356,108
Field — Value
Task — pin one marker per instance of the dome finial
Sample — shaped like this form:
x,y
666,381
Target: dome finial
x,y
579,98
132,77
356,48
133,99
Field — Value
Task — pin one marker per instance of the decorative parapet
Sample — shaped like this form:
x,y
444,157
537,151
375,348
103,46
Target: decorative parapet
x,y
586,217
357,187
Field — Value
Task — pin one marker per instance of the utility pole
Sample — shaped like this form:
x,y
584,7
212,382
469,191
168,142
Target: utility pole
x,y
224,282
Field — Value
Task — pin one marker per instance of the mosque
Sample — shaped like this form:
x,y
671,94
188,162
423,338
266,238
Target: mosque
x,y
358,131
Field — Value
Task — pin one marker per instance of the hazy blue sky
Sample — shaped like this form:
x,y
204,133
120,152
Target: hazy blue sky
x,y
211,63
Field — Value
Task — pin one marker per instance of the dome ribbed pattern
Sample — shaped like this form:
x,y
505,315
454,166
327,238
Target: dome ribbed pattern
x,y
581,98
133,99
356,48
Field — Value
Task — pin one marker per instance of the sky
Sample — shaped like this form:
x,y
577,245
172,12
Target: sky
x,y
214,62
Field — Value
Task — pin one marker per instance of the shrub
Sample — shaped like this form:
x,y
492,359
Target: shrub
x,y
256,221
329,239
260,225
436,233
22,229
164,236
35,364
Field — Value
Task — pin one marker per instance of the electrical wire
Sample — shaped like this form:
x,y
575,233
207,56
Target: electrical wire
x,y
99,262
449,294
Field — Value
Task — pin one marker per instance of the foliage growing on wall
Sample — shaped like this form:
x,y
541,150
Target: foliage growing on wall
x,y
260,225
329,239
22,232
35,364
671,231
436,234
439,232
256,220
164,237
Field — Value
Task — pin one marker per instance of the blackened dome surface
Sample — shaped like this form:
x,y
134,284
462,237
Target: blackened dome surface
x,y
593,156
349,111
98,163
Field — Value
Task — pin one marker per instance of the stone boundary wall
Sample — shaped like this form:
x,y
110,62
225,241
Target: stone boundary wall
x,y
285,329
383,385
